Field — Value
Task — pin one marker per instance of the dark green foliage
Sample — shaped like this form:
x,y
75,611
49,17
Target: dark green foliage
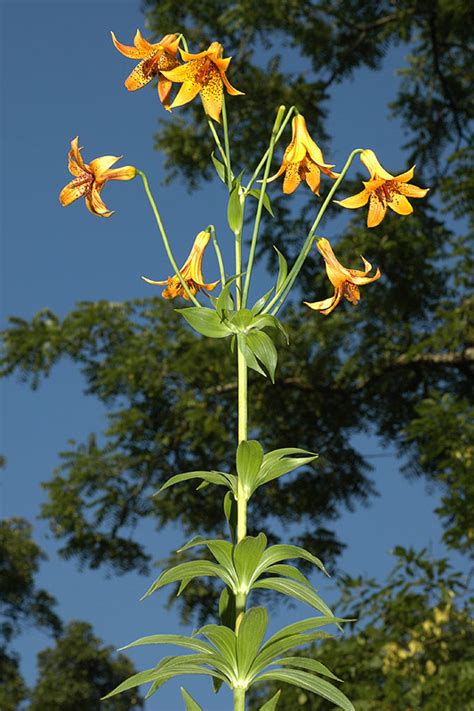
x,y
414,648
13,689
78,671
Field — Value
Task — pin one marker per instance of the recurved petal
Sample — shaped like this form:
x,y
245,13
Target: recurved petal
x,y
164,90
361,280
188,92
412,190
185,72
231,89
143,45
279,172
313,176
95,203
407,176
355,201
211,94
75,153
141,75
399,204
211,286
98,166
326,305
370,160
126,172
73,191
130,52
377,210
151,281
292,178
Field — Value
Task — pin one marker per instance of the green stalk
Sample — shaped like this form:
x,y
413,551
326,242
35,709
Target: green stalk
x,y
239,699
285,288
258,216
217,250
265,155
221,151
165,239
226,142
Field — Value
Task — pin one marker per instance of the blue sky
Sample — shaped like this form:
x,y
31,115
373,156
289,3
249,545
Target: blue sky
x,y
61,76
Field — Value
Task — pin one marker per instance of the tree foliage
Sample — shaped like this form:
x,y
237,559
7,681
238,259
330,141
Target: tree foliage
x,y
413,648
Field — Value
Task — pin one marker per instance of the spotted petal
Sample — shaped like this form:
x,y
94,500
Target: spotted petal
x,y
74,190
130,52
95,203
377,210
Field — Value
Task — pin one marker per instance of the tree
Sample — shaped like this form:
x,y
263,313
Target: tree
x,y
415,326
414,648
78,671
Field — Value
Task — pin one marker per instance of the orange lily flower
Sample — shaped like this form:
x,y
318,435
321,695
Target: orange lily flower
x,y
191,271
204,73
90,178
155,58
302,160
383,190
346,282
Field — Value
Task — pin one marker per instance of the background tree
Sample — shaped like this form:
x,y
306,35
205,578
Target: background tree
x,y
416,325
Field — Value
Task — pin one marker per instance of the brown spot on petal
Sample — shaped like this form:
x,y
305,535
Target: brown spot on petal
x,y
351,292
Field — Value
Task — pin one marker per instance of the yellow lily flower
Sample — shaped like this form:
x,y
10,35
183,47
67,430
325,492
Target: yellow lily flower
x,y
191,271
346,282
90,178
204,73
302,160
383,190
155,58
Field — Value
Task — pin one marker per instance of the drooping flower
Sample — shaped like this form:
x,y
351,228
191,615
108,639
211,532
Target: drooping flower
x,y
383,190
191,271
302,160
204,73
90,178
155,58
346,281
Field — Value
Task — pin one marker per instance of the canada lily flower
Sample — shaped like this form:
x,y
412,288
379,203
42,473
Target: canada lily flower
x,y
302,160
204,73
191,271
155,58
346,282
90,178
383,190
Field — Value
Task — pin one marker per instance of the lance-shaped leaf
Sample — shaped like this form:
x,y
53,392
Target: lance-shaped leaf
x,y
188,571
284,551
190,703
247,556
250,635
230,512
235,208
282,269
212,477
268,655
176,639
302,626
279,462
264,350
309,664
288,571
307,681
227,612
271,704
269,321
220,168
225,641
249,459
291,588
260,303
205,321
255,192
249,356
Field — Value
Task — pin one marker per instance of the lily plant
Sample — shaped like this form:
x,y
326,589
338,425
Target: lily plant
x,y
235,650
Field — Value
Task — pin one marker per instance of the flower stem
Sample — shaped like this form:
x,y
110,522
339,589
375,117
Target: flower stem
x,y
239,699
240,599
258,216
285,288
165,239
265,155
221,151
225,128
211,229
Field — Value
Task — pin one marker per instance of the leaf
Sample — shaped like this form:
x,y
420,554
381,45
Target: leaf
x,y
230,511
176,639
191,704
283,551
247,556
220,167
269,654
250,359
264,349
205,321
321,687
242,319
227,608
189,570
260,303
235,210
250,635
224,640
271,704
249,459
222,552
255,192
289,571
282,269
219,478
269,321
307,663
310,623
291,588
277,463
